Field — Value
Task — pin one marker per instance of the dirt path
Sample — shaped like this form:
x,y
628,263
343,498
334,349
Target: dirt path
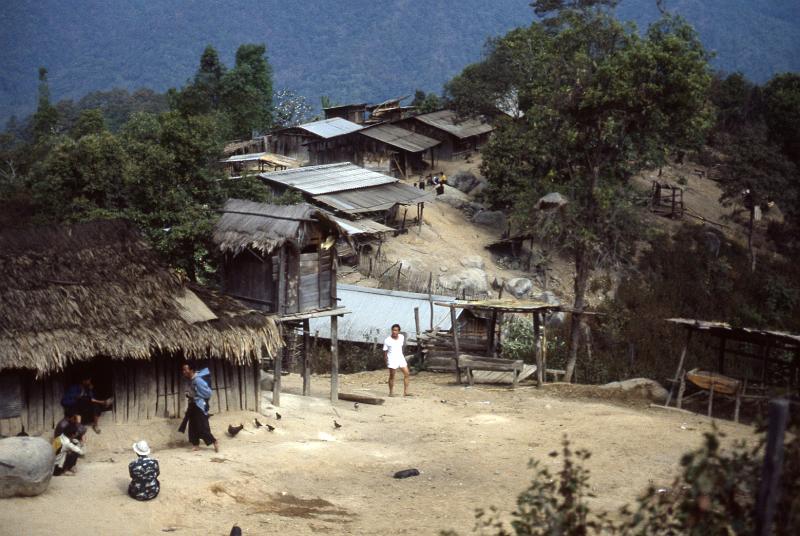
x,y
472,446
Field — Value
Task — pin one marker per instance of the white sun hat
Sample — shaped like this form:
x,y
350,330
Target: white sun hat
x,y
141,448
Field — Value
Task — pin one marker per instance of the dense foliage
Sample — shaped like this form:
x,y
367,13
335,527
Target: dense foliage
x,y
157,168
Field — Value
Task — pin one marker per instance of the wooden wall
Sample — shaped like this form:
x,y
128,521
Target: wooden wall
x,y
142,390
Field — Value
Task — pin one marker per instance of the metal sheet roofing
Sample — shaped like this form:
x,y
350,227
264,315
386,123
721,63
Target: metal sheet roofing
x,y
740,333
400,138
271,158
358,227
328,128
374,310
374,199
328,178
449,121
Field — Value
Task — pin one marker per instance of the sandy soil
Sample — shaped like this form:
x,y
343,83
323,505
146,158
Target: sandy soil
x,y
471,445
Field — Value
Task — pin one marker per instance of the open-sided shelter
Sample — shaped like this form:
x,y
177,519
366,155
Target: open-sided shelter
x,y
459,136
93,299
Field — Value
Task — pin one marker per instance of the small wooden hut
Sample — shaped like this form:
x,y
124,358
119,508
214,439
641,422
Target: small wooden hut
x,y
92,298
282,260
459,136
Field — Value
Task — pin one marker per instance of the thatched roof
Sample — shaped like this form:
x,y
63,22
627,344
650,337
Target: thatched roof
x,y
263,227
71,293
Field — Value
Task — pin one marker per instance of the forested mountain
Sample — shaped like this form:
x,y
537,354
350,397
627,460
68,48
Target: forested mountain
x,y
346,49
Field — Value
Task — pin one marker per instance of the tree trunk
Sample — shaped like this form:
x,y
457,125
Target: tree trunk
x,y
581,282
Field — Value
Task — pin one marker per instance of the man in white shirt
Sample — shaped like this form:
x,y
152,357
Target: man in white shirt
x,y
393,353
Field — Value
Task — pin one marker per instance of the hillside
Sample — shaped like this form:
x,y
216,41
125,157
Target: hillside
x,y
346,49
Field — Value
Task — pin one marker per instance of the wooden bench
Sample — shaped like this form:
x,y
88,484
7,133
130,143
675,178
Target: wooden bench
x,y
469,363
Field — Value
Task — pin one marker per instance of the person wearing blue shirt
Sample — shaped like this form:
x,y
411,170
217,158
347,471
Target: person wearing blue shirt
x,y
197,411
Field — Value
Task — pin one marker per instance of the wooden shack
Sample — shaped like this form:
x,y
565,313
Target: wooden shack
x,y
282,260
93,299
459,136
355,113
292,141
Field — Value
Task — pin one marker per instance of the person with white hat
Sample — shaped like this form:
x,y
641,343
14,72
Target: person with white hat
x,y
144,474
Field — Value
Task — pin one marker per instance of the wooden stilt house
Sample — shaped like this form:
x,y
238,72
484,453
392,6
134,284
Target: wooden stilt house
x,y
282,260
92,299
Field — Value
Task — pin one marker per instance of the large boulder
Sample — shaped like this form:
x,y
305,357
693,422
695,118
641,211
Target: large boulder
x,y
641,387
472,261
26,466
491,218
471,280
464,181
518,287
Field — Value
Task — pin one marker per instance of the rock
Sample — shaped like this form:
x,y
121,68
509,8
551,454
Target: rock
x,y
452,201
443,269
472,261
27,466
551,201
464,181
518,287
471,280
555,319
491,218
473,208
481,186
644,387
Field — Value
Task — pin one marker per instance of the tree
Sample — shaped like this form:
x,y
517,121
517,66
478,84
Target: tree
x,y
782,111
89,122
426,103
601,102
46,117
204,94
247,91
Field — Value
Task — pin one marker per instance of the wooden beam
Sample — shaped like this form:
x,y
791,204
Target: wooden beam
x,y
307,357
490,348
419,345
678,375
363,399
454,327
773,464
276,382
537,342
334,359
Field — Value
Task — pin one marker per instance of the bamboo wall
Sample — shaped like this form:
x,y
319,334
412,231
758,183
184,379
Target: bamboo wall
x,y
142,390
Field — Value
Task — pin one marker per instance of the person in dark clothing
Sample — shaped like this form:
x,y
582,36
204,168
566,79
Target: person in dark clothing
x,y
144,473
80,399
197,411
70,419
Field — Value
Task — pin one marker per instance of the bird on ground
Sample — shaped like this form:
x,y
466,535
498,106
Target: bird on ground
x,y
277,415
336,425
233,430
355,406
235,531
270,428
258,424
23,433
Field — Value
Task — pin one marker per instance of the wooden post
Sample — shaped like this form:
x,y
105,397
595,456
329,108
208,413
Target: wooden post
x,y
430,284
768,493
397,278
430,302
419,332
334,358
490,348
678,375
711,398
276,383
739,393
281,305
306,357
681,389
538,347
454,327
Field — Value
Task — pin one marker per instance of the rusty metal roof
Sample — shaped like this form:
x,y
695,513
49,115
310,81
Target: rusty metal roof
x,y
374,199
328,178
449,121
745,334
400,137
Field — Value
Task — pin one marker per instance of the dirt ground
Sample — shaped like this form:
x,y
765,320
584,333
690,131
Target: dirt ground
x,y
471,445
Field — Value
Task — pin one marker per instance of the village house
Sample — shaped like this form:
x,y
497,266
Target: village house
x,y
92,299
292,141
459,136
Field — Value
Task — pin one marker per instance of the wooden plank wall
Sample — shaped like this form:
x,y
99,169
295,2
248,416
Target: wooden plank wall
x,y
142,390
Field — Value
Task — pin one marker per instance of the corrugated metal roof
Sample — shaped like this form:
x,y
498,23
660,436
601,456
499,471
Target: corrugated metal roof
x,y
328,178
374,311
357,227
449,121
790,339
374,199
271,158
328,128
400,138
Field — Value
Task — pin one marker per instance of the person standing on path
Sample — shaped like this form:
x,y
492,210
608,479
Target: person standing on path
x,y
197,412
393,353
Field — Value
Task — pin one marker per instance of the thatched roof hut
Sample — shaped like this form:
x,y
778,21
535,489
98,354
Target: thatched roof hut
x,y
73,294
